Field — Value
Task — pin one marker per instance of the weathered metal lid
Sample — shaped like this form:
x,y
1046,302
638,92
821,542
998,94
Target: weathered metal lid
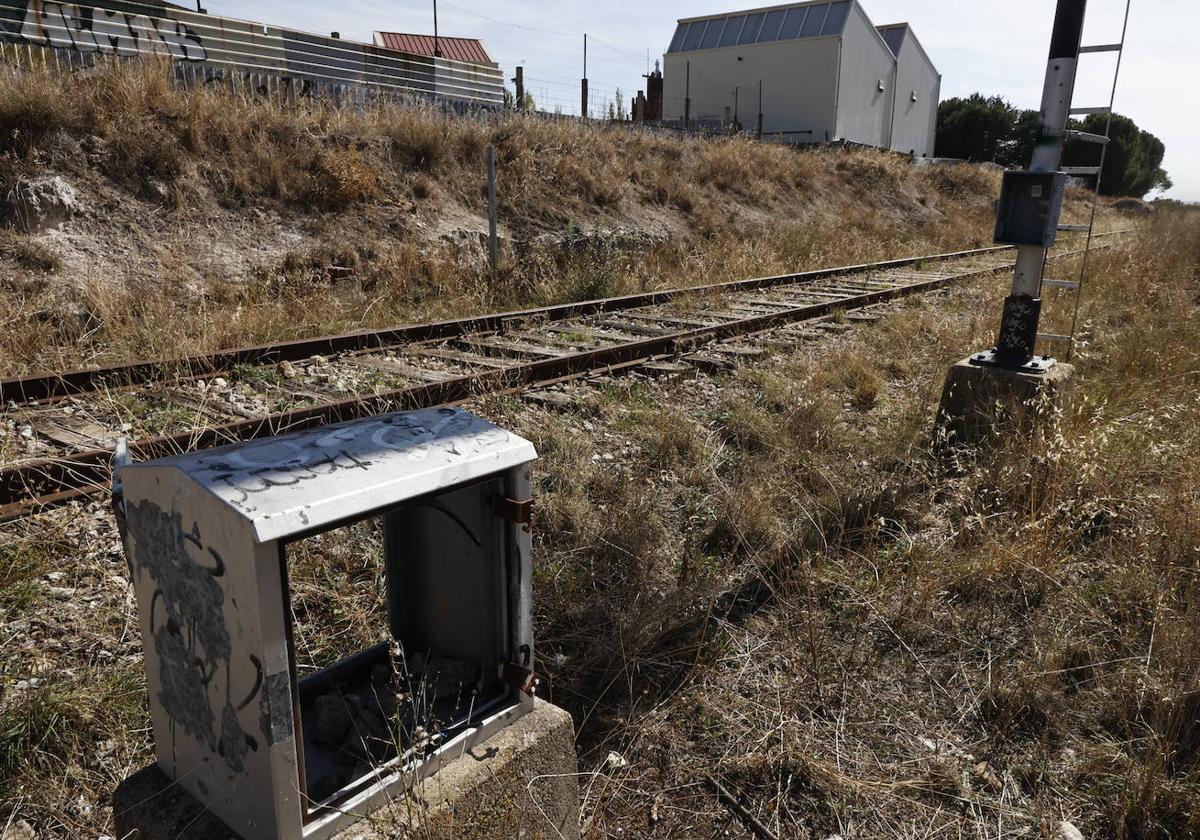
x,y
297,482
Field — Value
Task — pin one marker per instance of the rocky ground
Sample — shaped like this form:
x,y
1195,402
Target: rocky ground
x,y
760,576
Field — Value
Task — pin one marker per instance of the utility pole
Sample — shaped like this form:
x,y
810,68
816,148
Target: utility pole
x,y
520,82
687,99
437,46
986,393
1031,201
583,106
758,133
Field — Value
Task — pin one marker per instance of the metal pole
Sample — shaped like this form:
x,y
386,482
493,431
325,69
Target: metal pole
x,y
493,243
437,46
1022,309
735,109
687,99
759,132
583,102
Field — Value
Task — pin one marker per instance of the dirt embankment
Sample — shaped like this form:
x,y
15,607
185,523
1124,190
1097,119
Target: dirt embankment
x,y
182,221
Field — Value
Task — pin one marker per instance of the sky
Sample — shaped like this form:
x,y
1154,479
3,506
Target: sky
x,y
978,46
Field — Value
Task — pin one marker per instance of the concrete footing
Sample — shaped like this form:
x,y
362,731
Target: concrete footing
x,y
520,783
981,401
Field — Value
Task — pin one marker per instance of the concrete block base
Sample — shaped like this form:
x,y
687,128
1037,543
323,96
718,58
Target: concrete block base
x,y
520,783
979,401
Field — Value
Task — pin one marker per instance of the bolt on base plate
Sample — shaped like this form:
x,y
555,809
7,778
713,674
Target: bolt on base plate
x,y
990,358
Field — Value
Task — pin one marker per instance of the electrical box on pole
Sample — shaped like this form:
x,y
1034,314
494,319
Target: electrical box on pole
x,y
1030,207
1031,201
985,393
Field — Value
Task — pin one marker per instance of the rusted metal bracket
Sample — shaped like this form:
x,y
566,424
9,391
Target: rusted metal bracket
x,y
520,513
121,458
522,679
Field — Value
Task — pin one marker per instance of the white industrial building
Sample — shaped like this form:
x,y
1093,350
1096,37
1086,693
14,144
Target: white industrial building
x,y
822,71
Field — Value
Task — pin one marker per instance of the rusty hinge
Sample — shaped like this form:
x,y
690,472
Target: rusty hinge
x,y
519,512
522,679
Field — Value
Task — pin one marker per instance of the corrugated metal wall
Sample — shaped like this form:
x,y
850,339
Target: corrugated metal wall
x,y
798,78
226,45
864,110
917,88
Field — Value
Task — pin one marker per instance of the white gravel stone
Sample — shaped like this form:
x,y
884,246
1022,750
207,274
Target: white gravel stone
x,y
1067,831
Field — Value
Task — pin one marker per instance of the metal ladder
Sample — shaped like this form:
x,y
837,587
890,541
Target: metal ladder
x,y
1076,286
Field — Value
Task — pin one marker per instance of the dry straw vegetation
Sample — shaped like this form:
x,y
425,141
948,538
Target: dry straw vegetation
x,y
209,220
779,584
762,575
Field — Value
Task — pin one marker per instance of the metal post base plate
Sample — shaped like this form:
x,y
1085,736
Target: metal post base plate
x,y
1038,364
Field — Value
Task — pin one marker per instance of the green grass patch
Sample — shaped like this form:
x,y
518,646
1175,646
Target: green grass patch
x,y
153,415
58,722
264,375
21,569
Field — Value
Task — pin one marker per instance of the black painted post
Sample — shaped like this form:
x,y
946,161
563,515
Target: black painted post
x,y
1017,339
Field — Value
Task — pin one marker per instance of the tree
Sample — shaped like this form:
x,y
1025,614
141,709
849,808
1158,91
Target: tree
x,y
616,108
980,128
975,128
1133,162
510,102
1019,150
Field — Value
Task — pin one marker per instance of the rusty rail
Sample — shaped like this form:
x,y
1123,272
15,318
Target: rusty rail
x,y
31,486
43,386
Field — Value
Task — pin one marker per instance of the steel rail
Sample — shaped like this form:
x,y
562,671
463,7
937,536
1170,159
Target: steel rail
x,y
47,385
28,487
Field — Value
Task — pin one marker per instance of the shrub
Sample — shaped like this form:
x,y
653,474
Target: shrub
x,y
341,178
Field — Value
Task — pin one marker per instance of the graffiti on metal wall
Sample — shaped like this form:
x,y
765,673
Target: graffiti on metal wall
x,y
90,30
192,641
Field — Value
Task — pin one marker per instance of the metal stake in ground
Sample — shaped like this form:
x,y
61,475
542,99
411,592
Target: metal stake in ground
x,y
493,244
583,85
1031,200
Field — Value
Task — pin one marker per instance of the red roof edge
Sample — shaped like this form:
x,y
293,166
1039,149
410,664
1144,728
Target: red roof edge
x,y
470,50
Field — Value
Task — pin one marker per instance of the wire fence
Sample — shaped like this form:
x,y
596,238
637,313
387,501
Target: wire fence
x,y
73,36
287,67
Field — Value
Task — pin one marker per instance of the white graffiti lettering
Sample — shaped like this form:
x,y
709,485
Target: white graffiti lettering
x,y
45,23
81,35
92,29
147,35
183,44
113,33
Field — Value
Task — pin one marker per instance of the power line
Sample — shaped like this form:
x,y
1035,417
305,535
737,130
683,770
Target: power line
x,y
619,51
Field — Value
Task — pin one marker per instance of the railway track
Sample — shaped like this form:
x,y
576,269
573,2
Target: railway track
x,y
63,427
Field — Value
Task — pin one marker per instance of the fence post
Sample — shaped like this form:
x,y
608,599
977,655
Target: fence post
x,y
493,244
687,99
583,107
759,132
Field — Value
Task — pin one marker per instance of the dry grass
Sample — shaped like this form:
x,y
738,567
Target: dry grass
x,y
765,577
775,580
213,220
762,576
